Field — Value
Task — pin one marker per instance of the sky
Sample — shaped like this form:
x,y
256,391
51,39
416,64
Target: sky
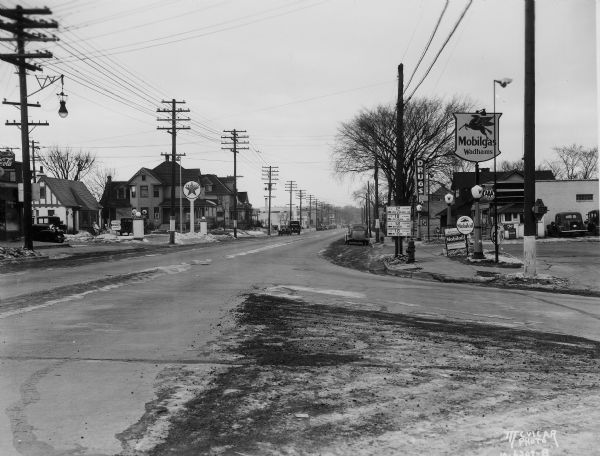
x,y
289,72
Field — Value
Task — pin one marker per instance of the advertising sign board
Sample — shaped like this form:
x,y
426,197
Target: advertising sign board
x,y
191,190
7,158
476,136
465,224
398,221
454,240
420,178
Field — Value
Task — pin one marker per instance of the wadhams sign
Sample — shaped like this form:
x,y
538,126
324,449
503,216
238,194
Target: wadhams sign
x,y
476,136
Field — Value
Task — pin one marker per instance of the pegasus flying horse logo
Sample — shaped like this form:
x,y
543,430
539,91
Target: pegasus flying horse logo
x,y
480,122
192,188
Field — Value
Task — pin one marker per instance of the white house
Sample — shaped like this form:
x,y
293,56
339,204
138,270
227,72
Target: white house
x,y
69,200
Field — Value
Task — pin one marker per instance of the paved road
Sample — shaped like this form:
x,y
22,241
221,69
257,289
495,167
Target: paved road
x,y
79,364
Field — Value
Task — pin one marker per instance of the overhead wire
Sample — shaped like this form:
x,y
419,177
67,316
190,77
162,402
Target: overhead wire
x,y
435,29
440,51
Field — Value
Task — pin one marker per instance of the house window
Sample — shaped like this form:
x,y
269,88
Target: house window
x,y
143,191
143,177
12,177
50,212
155,191
42,192
133,191
121,193
156,213
584,197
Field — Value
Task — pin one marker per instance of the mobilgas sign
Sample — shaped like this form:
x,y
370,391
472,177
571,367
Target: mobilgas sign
x,y
476,136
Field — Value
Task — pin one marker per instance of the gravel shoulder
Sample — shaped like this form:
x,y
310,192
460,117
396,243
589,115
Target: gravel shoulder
x,y
319,379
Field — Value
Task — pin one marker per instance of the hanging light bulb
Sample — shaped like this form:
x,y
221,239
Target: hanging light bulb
x,y
62,110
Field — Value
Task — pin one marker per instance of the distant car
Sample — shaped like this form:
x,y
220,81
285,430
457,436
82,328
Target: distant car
x,y
357,234
284,231
295,226
567,224
47,232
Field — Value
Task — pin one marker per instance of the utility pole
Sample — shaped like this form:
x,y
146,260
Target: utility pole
x,y
21,22
367,202
529,247
310,198
178,158
301,195
172,130
237,141
399,197
290,186
270,174
376,209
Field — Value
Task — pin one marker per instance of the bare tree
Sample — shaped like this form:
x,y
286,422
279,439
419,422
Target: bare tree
x,y
428,135
67,164
574,162
97,179
507,165
589,163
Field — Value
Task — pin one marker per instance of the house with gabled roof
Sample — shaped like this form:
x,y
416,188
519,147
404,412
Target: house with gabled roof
x,y
115,201
150,194
69,200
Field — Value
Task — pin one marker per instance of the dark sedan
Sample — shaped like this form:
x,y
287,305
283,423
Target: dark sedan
x,y
45,232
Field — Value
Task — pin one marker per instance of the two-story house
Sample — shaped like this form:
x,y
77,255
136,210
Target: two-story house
x,y
115,201
150,191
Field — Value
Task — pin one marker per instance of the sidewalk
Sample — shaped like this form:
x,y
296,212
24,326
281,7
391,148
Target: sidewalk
x,y
432,264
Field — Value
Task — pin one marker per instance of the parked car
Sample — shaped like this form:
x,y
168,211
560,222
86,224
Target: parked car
x,y
51,220
295,226
47,232
357,234
592,224
567,224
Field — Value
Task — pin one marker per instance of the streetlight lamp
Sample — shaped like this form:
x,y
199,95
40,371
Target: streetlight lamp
x,y
502,83
419,209
477,192
449,198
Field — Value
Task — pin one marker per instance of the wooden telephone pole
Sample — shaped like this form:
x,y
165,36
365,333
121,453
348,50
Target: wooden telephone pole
x,y
236,139
172,130
21,23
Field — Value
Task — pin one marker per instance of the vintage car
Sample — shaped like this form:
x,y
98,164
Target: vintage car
x,y
47,232
295,226
593,226
567,224
357,234
284,230
51,220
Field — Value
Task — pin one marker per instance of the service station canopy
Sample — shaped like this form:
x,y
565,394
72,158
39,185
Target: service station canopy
x,y
476,136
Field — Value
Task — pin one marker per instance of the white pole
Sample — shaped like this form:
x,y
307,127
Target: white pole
x,y
192,217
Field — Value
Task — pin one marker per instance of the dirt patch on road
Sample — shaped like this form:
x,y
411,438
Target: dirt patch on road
x,y
360,257
324,380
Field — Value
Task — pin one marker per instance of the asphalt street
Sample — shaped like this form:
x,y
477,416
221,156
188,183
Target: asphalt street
x,y
85,350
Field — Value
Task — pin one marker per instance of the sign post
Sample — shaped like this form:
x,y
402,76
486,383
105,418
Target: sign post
x,y
191,191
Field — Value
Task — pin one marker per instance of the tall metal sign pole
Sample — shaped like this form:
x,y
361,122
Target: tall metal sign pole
x,y
19,28
172,130
529,247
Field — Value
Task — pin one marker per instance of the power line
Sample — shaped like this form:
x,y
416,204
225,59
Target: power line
x,y
441,49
